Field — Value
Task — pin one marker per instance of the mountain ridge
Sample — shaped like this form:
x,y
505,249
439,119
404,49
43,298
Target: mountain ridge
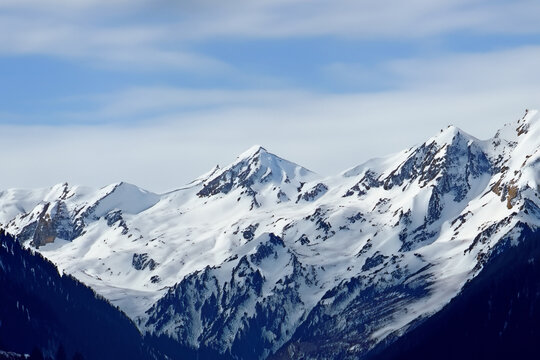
x,y
211,264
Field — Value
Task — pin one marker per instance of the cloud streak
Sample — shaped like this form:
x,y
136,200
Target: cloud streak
x,y
325,133
508,68
162,34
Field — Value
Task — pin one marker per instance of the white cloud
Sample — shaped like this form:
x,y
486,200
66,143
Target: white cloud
x,y
516,68
360,18
327,133
510,68
184,132
124,47
141,102
160,34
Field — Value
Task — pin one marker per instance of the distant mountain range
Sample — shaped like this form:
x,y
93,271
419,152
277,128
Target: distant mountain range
x,y
265,259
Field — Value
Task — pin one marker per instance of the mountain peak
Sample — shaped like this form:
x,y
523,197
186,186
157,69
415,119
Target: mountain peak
x,y
252,169
257,157
123,196
205,177
531,116
531,120
449,134
513,130
252,151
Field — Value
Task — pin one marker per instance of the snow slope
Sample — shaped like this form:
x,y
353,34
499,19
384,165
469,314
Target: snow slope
x,y
264,253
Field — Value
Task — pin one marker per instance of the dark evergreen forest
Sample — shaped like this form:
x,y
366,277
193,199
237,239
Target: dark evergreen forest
x,y
52,316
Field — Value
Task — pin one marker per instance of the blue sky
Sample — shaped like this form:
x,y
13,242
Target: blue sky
x,y
157,92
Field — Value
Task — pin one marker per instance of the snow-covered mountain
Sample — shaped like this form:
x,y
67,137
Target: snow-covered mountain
x,y
264,256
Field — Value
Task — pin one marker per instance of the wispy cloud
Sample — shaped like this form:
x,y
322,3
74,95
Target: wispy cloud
x,y
327,133
361,19
480,71
182,132
134,47
146,103
162,33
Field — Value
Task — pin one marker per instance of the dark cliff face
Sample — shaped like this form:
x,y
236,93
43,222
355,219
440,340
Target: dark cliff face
x,y
340,326
452,164
52,220
496,316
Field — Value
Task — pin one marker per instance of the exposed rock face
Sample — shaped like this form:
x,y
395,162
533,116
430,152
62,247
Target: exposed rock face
x,y
114,218
45,233
143,261
249,232
452,162
316,192
339,327
50,221
67,215
229,311
254,170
